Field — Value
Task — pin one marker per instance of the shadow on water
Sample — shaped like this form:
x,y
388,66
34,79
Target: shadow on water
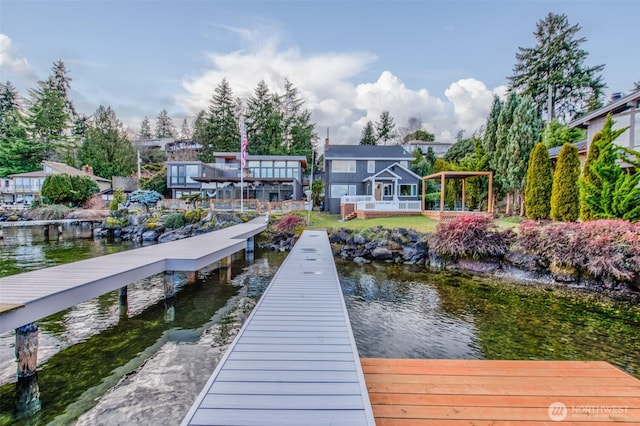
x,y
398,312
94,345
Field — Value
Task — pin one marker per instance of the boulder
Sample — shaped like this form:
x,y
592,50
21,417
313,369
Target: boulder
x,y
382,253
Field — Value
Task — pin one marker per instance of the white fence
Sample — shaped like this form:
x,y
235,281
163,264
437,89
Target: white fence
x,y
389,206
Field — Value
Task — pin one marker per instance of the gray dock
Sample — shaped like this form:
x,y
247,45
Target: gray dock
x,y
30,296
294,362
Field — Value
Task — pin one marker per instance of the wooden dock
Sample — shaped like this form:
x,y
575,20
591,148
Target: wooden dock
x,y
481,392
294,362
27,297
51,222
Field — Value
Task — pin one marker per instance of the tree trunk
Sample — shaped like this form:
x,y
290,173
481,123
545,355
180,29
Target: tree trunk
x,y
508,209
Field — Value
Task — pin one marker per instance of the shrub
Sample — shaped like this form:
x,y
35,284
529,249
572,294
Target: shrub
x,y
589,180
565,196
601,249
152,223
471,236
537,193
290,224
118,198
175,220
193,216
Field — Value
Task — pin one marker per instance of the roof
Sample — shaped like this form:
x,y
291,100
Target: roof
x,y
581,145
614,107
59,168
390,173
366,152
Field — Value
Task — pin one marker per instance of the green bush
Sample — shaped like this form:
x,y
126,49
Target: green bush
x,y
175,220
565,196
118,198
537,193
193,216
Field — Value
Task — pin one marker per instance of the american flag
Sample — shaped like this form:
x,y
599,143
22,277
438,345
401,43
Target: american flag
x,y
243,144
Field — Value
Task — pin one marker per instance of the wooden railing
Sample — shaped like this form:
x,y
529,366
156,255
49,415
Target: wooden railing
x,y
399,206
235,204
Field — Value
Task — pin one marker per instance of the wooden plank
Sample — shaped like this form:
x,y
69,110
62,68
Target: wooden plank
x,y
294,361
278,417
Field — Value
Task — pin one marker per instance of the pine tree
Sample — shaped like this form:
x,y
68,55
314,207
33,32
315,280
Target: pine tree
x,y
222,121
537,193
523,134
60,81
610,192
263,121
9,101
164,125
18,153
185,131
106,147
557,133
565,198
385,128
368,135
556,65
48,120
145,129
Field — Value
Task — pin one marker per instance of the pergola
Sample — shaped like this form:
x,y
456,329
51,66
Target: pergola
x,y
463,175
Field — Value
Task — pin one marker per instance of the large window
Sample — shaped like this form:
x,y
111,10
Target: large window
x,y
409,190
343,166
181,174
338,191
371,166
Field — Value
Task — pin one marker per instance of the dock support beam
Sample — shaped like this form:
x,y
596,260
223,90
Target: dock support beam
x,y
251,245
169,284
27,389
192,277
124,302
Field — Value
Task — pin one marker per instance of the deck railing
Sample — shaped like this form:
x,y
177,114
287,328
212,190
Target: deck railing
x,y
399,205
235,204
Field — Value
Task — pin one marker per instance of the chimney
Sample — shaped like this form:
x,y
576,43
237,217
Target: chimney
x,y
326,145
87,169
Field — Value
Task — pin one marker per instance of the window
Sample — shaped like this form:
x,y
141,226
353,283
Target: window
x,y
192,170
409,190
338,191
371,166
388,189
343,166
181,174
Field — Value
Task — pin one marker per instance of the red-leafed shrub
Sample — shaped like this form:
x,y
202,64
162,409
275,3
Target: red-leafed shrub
x,y
471,236
289,224
598,249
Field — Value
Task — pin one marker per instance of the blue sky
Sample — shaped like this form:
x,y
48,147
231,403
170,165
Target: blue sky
x,y
439,61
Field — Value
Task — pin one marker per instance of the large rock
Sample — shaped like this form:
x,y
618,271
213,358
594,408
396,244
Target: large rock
x,y
96,215
382,253
483,266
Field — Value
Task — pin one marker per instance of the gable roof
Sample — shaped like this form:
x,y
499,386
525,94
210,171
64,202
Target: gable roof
x,y
555,151
366,152
622,104
59,168
389,171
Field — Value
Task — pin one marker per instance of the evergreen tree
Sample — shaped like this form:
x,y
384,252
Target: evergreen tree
x,y
368,135
557,133
301,136
499,161
222,123
556,66
18,153
9,101
263,121
106,147
490,137
523,134
60,81
48,120
539,181
565,198
164,125
291,108
611,192
185,131
385,128
145,129
589,179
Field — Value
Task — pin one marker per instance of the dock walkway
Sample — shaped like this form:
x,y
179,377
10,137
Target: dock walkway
x,y
27,297
295,360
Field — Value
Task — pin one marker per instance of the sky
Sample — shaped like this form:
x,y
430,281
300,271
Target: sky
x,y
435,60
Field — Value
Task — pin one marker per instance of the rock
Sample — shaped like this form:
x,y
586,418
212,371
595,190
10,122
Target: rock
x,y
96,215
478,265
359,240
521,259
169,236
408,253
413,236
150,235
563,274
360,260
382,253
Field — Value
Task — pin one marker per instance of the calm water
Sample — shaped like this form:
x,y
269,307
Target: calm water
x,y
397,312
144,363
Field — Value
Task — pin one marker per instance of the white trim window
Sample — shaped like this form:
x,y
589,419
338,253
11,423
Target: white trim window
x,y
343,166
340,190
408,190
371,166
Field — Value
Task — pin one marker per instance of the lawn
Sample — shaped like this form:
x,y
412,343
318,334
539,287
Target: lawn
x,y
321,220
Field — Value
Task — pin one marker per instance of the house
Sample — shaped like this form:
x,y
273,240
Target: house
x,y
266,177
377,175
26,186
582,153
625,111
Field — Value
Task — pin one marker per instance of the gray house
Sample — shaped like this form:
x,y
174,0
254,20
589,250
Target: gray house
x,y
376,175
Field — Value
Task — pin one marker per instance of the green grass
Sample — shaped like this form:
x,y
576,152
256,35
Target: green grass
x,y
321,220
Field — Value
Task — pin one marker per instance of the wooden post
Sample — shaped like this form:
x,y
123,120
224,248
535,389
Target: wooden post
x,y
46,232
424,202
251,245
27,349
1,233
59,229
442,186
27,396
192,277
490,201
169,285
123,304
464,193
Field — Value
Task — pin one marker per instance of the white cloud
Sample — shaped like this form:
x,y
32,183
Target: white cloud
x,y
11,62
471,101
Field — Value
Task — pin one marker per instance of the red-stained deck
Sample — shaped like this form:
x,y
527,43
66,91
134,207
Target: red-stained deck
x,y
483,392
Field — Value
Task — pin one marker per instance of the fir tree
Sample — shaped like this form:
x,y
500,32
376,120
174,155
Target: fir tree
x,y
185,130
18,153
385,128
588,178
537,194
263,121
164,125
557,133
368,135
556,66
9,101
500,158
144,133
222,122
565,198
